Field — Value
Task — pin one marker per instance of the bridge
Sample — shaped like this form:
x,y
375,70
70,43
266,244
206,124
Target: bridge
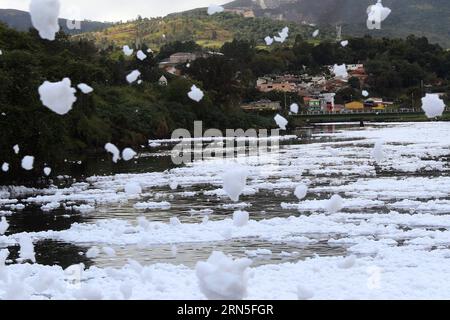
x,y
356,116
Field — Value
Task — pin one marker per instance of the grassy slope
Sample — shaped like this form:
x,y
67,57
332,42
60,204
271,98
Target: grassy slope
x,y
208,31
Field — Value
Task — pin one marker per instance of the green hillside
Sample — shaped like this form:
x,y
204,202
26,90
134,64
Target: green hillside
x,y
196,25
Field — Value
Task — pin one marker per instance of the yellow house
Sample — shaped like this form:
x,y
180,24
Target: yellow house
x,y
379,107
354,105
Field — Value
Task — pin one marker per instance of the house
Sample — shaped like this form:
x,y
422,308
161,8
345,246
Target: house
x,y
244,12
183,57
312,104
320,102
170,65
376,104
267,84
354,106
354,67
171,69
162,81
327,101
354,71
335,84
338,108
262,105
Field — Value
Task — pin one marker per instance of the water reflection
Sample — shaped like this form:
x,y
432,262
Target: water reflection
x,y
50,253
264,205
190,254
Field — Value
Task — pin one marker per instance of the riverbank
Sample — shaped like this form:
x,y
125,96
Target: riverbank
x,y
301,119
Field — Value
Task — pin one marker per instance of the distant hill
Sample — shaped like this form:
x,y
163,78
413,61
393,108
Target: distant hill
x,y
21,21
430,18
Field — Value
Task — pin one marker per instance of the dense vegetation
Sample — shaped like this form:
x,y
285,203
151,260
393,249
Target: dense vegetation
x,y
207,31
126,115
402,70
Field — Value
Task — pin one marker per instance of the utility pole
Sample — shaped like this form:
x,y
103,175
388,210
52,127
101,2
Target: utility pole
x,y
139,32
338,32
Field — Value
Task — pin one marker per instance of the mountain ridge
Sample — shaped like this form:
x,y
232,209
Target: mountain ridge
x,y
423,18
21,21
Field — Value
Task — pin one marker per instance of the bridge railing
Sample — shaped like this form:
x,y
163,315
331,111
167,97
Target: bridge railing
x,y
349,112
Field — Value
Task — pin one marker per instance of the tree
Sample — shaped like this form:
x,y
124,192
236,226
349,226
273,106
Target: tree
x,y
178,46
240,51
354,83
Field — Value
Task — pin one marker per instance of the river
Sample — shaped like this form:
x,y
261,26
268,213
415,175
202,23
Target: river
x,y
87,207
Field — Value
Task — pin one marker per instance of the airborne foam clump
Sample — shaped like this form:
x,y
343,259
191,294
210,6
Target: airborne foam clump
x,y
377,152
433,105
365,93
344,43
5,167
301,191
240,218
128,154
335,204
47,171
283,35
214,8
281,121
133,76
234,182
58,96
127,51
4,225
316,33
294,108
378,13
141,55
27,163
195,94
222,278
268,40
26,251
44,17
114,151
85,88
340,71
16,149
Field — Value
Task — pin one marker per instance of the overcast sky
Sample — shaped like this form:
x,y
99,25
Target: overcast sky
x,y
114,10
